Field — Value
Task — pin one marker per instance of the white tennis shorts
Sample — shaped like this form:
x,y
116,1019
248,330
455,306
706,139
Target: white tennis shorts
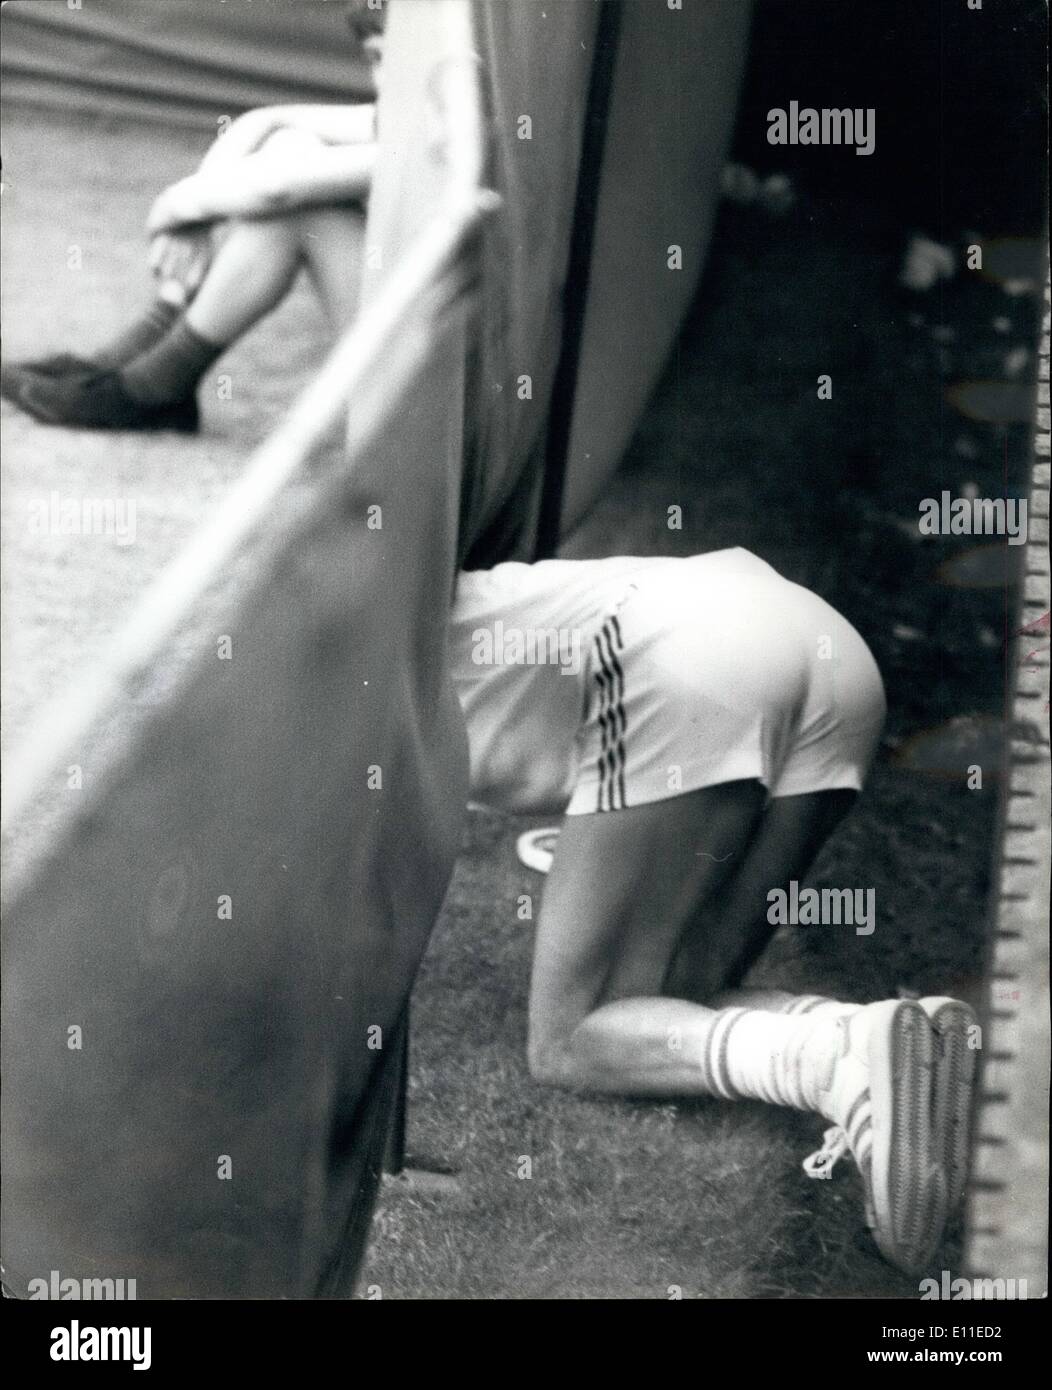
x,y
591,685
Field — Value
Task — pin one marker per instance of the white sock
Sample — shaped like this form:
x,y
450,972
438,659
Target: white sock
x,y
785,1060
777,1001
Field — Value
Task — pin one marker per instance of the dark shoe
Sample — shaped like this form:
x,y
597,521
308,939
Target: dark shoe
x,y
94,400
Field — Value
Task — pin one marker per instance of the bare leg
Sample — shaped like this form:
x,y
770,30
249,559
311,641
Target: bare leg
x,y
249,276
333,244
726,936
611,934
258,261
621,888
254,269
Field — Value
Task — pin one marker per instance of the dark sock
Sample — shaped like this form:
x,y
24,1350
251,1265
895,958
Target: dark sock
x,y
170,370
142,334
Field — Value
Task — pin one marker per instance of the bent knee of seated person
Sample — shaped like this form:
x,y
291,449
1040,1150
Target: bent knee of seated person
x,y
289,142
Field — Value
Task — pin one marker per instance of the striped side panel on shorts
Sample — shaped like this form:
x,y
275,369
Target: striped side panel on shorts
x,y
613,724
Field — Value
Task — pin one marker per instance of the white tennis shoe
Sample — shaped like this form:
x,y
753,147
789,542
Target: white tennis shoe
x,y
957,1039
899,1096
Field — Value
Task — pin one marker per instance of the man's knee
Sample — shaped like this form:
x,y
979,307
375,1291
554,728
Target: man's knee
x,y
264,244
550,1060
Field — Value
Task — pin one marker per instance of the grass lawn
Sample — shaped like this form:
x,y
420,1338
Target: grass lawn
x,y
623,1199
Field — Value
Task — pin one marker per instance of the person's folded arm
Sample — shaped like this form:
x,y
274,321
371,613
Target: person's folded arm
x,y
353,124
266,184
335,125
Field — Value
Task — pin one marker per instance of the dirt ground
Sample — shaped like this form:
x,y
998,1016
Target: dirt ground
x,y
625,1200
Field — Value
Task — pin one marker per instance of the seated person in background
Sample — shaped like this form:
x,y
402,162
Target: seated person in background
x,y
280,189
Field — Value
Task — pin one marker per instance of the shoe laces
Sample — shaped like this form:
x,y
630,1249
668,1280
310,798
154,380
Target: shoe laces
x,y
821,1163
